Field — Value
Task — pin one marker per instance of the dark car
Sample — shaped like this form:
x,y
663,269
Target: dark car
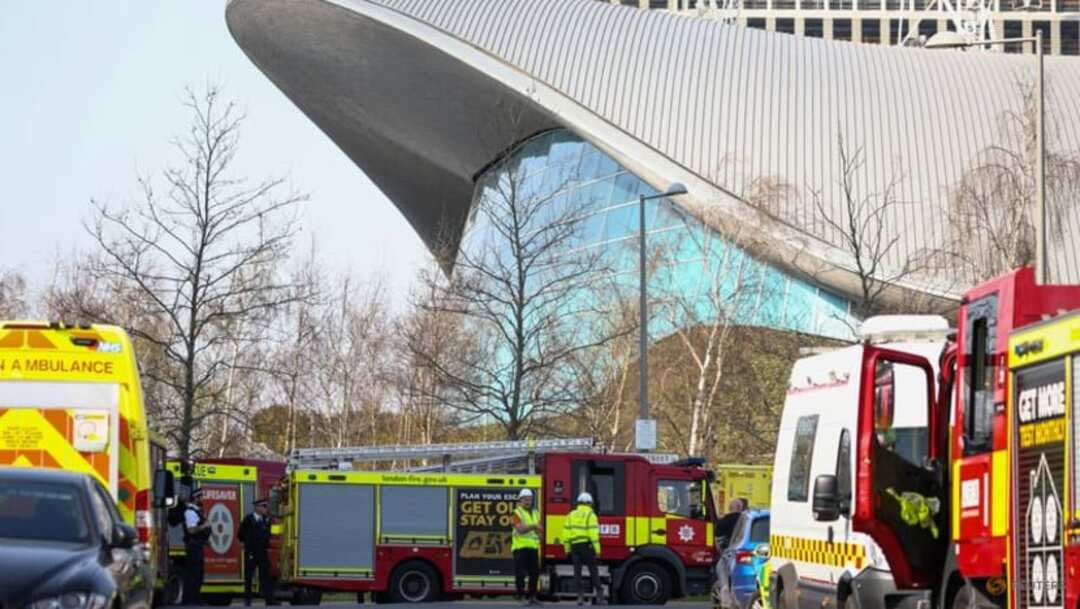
x,y
737,569
63,545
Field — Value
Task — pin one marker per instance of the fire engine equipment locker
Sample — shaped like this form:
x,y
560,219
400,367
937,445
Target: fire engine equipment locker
x,y
336,529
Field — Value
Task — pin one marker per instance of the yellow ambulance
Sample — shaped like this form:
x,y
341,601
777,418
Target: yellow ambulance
x,y
70,398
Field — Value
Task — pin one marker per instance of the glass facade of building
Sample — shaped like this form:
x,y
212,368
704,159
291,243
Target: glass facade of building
x,y
562,172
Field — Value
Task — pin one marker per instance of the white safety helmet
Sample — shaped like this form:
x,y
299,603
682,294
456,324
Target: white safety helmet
x,y
524,493
584,498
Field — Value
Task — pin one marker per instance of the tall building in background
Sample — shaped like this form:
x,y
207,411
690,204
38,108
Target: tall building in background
x,y
896,22
411,91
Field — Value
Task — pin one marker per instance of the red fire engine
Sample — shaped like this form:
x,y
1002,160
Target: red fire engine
x,y
983,491
437,532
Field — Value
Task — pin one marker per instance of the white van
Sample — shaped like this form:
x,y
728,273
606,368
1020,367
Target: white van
x,y
853,447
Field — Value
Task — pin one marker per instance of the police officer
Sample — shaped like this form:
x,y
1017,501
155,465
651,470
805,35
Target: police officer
x,y
196,534
525,544
255,535
582,542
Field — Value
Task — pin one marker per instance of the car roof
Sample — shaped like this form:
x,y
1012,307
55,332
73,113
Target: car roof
x,y
42,474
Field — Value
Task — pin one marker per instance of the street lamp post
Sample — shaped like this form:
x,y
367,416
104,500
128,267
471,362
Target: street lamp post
x,y
645,430
1041,260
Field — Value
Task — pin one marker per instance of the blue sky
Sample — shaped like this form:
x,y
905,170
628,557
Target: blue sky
x,y
91,94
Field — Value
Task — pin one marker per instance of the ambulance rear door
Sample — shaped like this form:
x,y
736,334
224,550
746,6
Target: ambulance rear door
x,y
63,425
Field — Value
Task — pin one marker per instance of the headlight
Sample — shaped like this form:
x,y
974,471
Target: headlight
x,y
71,600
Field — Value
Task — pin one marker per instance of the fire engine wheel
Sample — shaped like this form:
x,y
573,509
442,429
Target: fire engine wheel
x,y
414,582
646,583
966,598
306,596
217,600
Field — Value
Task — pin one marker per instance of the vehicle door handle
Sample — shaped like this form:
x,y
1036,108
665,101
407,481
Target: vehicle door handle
x,y
659,532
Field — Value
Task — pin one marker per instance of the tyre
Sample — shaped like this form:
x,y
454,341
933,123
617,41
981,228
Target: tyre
x,y
967,598
171,592
306,596
414,582
646,583
217,600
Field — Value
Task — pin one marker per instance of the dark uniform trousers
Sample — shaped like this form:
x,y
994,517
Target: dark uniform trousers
x,y
255,535
193,562
584,553
526,562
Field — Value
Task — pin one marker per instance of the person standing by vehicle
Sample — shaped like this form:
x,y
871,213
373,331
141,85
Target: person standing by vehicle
x,y
726,525
255,535
582,543
196,534
525,545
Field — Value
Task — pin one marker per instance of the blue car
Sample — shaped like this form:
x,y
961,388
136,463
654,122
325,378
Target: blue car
x,y
736,571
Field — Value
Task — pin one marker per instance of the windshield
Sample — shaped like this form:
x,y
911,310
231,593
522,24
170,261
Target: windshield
x,y
41,511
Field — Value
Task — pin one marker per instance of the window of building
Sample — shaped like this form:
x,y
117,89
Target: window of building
x,y
896,30
633,3
841,5
801,455
756,23
785,26
1067,6
841,29
871,31
927,28
814,28
660,4
1044,27
894,5
1070,38
1014,29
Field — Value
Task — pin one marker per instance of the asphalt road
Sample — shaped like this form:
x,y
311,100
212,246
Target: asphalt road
x,y
495,605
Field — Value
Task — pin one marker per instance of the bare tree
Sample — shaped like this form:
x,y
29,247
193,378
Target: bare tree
x,y
13,303
865,229
992,209
204,254
709,285
522,293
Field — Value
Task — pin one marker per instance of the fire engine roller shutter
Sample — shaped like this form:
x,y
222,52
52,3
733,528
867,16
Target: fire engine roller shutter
x,y
1040,473
336,527
411,512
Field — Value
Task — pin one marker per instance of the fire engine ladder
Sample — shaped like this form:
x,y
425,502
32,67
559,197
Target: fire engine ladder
x,y
508,456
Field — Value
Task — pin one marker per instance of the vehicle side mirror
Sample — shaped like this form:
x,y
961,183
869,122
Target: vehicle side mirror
x,y
123,536
762,551
722,542
826,498
164,489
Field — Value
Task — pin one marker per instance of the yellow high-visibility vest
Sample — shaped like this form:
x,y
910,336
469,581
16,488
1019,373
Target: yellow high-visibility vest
x,y
582,526
530,540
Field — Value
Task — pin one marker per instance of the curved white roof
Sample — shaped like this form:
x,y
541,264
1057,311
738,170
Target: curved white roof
x,y
409,88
